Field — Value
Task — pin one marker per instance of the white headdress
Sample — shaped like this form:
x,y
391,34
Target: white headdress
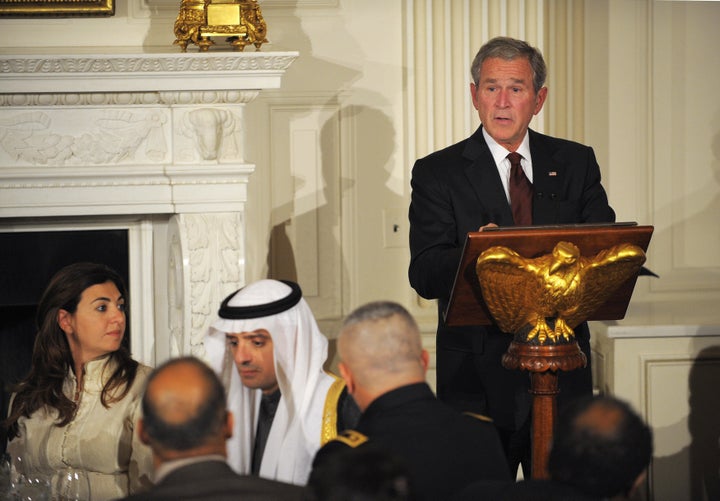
x,y
300,351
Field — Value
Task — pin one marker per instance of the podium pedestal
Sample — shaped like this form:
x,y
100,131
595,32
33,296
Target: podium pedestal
x,y
543,362
540,349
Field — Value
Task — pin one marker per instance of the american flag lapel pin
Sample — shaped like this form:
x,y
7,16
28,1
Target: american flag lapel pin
x,y
552,173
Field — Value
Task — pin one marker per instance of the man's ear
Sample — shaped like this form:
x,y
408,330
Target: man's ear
x,y
63,320
347,376
540,99
638,482
144,438
229,423
473,95
425,359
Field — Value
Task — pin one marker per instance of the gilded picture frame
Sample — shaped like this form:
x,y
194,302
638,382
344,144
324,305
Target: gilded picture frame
x,y
56,8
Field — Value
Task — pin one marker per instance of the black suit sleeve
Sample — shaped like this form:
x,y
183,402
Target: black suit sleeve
x,y
434,248
594,207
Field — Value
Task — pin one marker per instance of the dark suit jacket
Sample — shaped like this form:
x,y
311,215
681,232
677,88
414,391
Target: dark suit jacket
x,y
526,490
441,449
457,190
215,480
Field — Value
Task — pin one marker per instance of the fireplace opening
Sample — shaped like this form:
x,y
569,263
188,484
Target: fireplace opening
x,y
28,260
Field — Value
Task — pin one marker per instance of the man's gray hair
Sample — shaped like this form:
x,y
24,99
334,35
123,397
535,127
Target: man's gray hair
x,y
508,49
379,340
378,310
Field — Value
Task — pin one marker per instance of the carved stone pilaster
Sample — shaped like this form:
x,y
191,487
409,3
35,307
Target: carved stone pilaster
x,y
206,264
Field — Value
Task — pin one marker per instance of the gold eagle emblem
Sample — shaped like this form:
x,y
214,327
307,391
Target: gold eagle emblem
x,y
562,286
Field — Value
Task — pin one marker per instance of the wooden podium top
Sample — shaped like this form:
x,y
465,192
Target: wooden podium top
x,y
467,307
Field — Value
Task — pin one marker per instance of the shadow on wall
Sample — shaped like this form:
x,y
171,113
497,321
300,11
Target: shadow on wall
x,y
315,203
306,245
704,425
689,218
374,143
693,472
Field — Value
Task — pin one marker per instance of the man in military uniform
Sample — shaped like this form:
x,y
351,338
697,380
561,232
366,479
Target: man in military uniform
x,y
270,353
384,365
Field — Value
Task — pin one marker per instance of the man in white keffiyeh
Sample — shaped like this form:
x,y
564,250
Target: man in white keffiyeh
x,y
270,353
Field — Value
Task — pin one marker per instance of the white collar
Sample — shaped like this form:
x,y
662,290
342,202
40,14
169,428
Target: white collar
x,y
500,153
168,467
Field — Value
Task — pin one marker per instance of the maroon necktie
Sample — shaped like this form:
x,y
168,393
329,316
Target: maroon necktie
x,y
521,192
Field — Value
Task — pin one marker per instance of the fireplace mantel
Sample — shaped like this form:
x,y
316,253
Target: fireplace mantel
x,y
75,70
151,140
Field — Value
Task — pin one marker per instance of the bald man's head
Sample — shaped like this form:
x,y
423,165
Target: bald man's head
x,y
380,344
184,407
602,446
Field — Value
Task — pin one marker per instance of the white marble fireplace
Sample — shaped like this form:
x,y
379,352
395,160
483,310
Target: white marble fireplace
x,y
151,142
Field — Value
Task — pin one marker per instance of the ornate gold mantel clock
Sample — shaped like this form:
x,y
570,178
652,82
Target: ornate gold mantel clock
x,y
239,21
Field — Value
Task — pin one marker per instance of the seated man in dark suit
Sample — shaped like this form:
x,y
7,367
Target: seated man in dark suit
x,y
601,451
383,365
186,423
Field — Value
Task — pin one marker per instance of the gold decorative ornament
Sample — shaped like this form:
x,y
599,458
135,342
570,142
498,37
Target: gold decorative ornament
x,y
56,8
328,430
562,288
239,21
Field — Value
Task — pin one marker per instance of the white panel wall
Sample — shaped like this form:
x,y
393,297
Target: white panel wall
x,y
305,215
670,375
335,186
653,118
686,146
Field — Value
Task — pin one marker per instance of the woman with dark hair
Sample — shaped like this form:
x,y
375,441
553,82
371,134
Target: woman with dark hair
x,y
79,405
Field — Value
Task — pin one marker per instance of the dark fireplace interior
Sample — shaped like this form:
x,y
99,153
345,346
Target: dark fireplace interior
x,y
27,262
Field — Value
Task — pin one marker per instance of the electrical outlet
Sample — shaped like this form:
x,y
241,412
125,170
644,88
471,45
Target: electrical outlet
x,y
395,228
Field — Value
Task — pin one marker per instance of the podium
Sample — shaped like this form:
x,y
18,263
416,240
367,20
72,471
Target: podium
x,y
518,259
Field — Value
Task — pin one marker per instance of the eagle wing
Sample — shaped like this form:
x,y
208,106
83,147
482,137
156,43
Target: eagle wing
x,y
601,276
504,277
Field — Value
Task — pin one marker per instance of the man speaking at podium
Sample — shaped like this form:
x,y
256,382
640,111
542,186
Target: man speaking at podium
x,y
468,186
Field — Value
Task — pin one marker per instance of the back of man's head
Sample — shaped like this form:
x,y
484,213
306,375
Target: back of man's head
x,y
184,411
367,473
600,446
380,345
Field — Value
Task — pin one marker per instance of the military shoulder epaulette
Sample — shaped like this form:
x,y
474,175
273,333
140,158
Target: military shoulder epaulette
x,y
351,438
328,429
479,416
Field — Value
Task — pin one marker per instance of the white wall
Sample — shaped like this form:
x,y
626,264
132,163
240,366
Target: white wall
x,y
654,118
